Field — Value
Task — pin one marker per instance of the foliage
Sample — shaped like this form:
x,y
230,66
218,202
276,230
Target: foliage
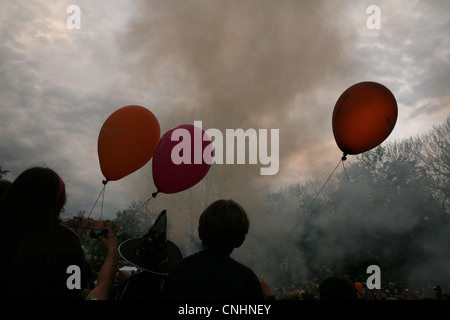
x,y
3,173
389,208
135,219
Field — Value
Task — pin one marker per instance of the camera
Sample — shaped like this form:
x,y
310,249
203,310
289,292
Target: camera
x,y
95,233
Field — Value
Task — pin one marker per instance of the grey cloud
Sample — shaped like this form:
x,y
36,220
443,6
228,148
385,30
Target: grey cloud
x,y
51,100
231,64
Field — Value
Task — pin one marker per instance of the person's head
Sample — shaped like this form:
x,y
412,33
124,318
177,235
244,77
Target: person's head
x,y
223,226
337,288
35,198
36,246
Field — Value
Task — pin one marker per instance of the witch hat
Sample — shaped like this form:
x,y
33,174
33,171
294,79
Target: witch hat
x,y
152,252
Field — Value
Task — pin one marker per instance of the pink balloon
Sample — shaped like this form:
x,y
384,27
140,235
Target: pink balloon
x,y
180,164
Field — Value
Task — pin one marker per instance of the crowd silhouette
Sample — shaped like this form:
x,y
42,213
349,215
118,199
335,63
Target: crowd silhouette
x,y
309,290
37,250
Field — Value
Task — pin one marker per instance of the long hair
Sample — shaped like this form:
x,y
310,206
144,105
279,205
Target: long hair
x,y
36,247
34,190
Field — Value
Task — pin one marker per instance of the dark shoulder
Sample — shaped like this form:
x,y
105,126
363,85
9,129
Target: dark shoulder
x,y
211,262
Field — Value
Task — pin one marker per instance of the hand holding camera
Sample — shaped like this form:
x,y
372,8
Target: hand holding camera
x,y
96,234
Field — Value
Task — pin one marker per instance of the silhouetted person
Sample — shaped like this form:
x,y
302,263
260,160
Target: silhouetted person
x,y
337,288
212,274
154,255
36,248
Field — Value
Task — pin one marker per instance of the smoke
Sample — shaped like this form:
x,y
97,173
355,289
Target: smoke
x,y
240,64
382,211
267,65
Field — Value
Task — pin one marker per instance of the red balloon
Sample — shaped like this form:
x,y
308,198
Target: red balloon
x,y
126,141
363,117
358,286
180,164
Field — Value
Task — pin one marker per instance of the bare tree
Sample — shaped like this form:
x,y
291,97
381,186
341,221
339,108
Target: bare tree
x,y
435,156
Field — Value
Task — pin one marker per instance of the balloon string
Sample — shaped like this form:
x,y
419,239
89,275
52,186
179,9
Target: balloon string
x,y
101,193
345,170
101,208
84,225
154,195
300,219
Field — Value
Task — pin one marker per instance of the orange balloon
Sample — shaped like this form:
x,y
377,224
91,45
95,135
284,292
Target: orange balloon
x,y
363,117
126,141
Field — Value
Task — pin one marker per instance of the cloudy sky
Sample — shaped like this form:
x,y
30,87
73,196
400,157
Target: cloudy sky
x,y
231,64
